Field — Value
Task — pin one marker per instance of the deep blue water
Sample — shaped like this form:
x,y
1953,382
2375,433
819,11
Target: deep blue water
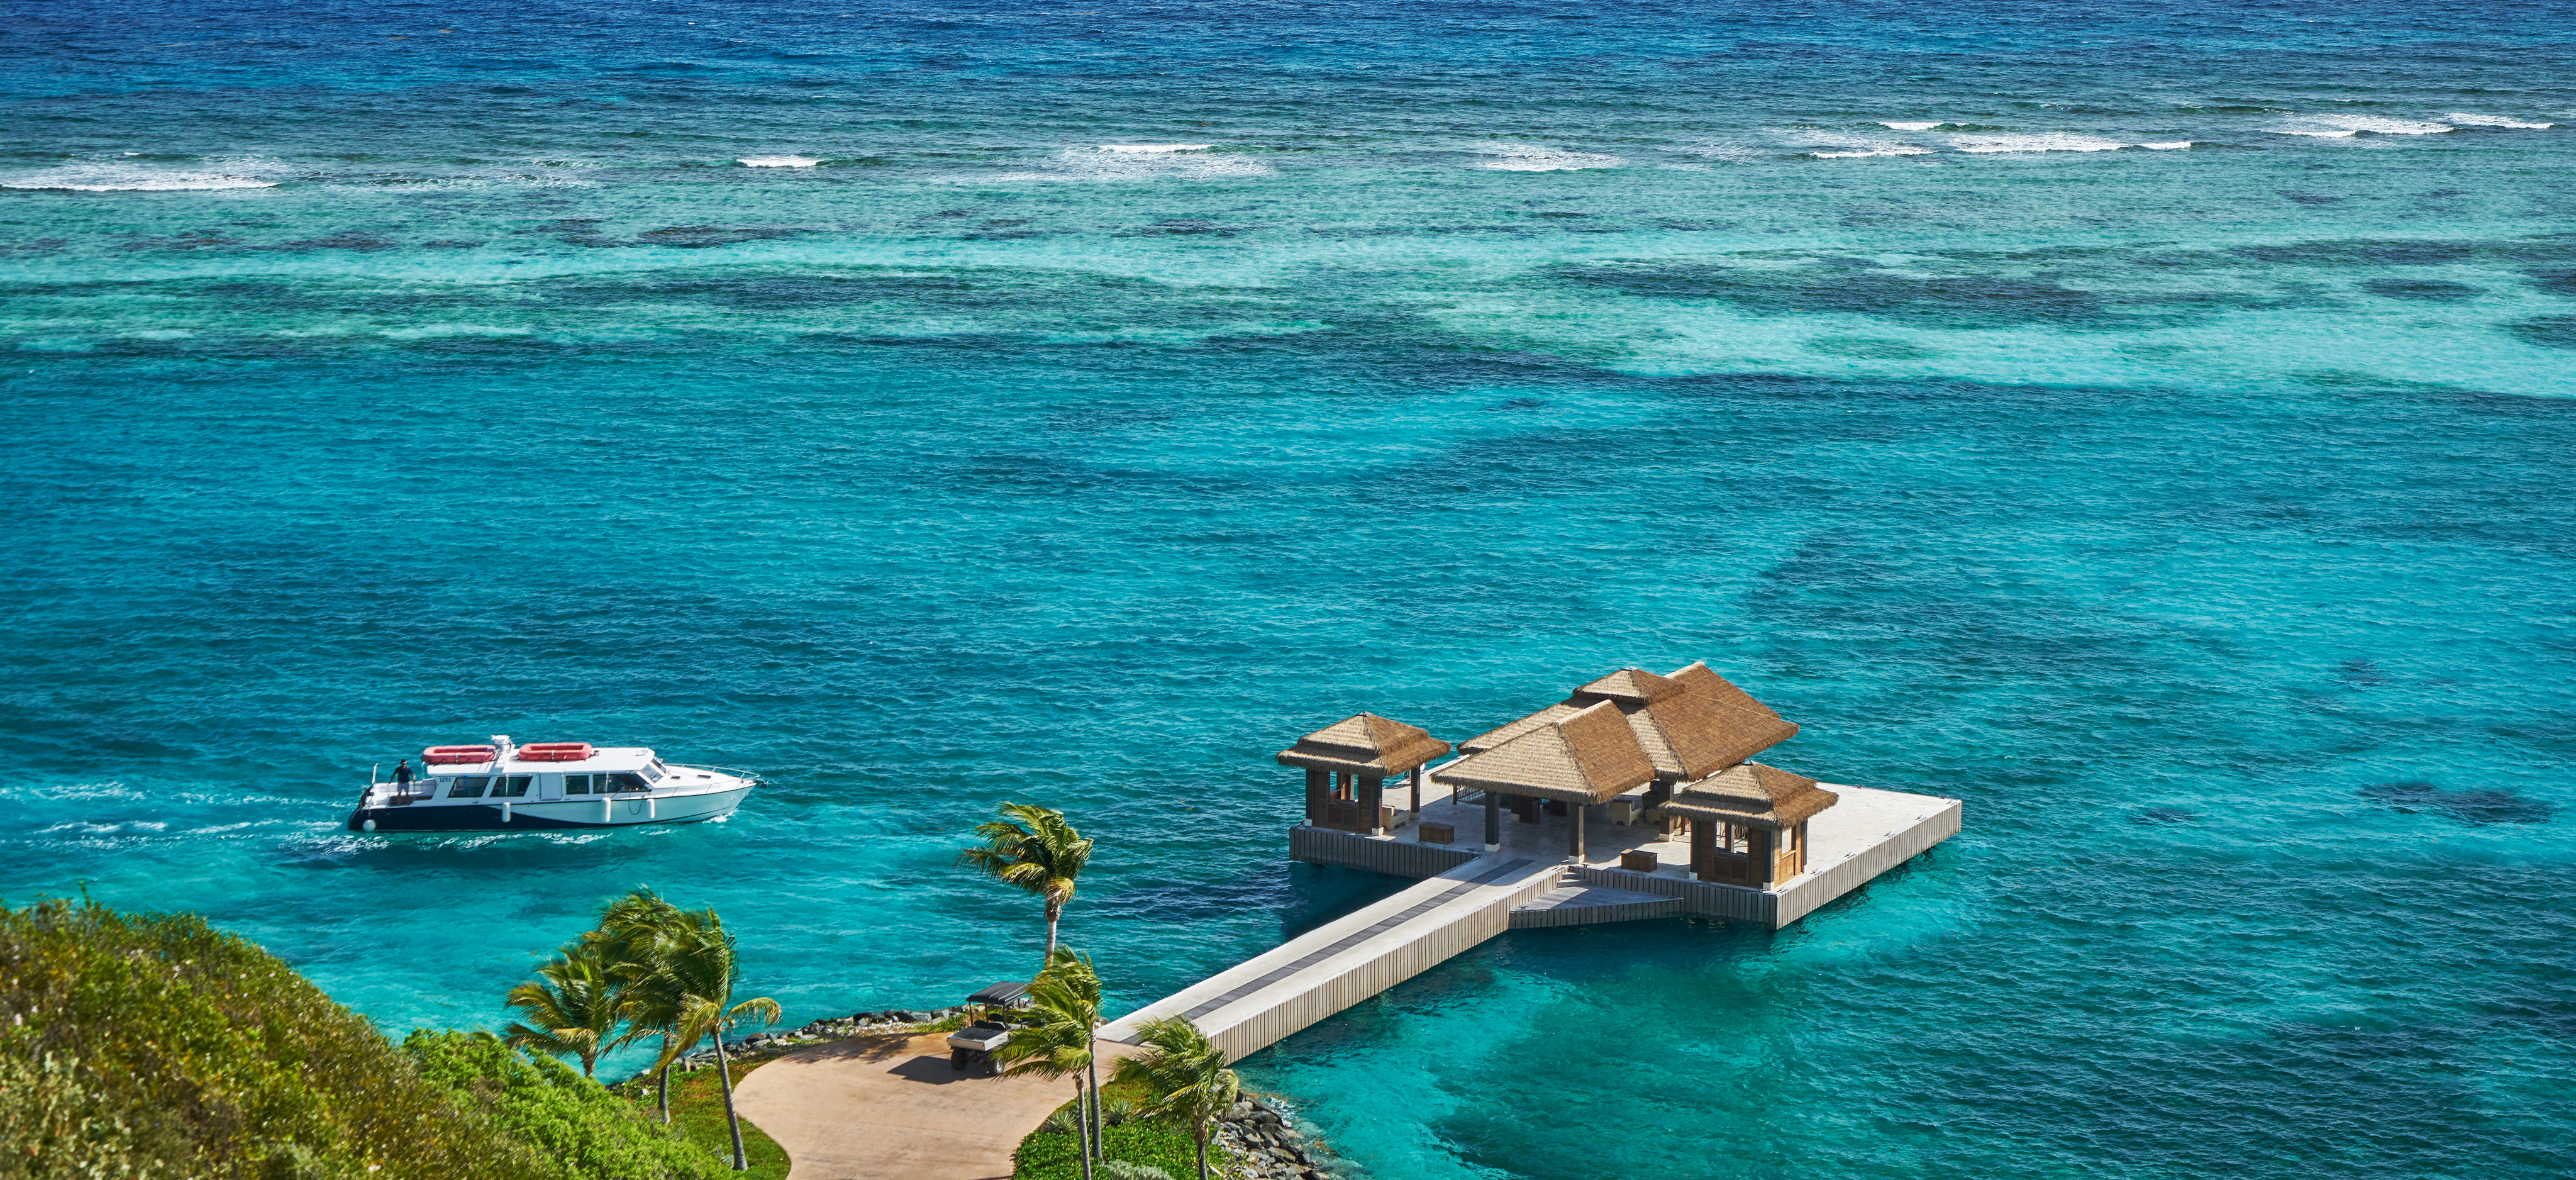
x,y
382,376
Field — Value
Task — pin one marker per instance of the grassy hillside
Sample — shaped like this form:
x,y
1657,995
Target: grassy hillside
x,y
152,1046
698,1114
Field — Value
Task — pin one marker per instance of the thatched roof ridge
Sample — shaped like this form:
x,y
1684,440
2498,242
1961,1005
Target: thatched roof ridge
x,y
1754,794
1697,677
1506,732
1588,756
1630,687
1367,745
1691,737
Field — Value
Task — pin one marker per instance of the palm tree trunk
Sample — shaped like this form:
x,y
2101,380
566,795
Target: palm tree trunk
x,y
1081,1128
1202,1138
665,1100
1092,1068
724,1074
1055,910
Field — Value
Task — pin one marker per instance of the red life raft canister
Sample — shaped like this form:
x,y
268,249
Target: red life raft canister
x,y
453,755
554,752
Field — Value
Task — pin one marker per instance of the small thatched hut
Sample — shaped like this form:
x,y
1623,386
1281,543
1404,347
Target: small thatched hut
x,y
1347,764
1749,823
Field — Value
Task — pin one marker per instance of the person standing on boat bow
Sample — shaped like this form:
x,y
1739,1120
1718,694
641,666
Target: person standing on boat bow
x,y
402,777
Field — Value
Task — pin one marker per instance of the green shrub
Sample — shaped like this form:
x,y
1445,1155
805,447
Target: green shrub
x,y
698,1115
151,1045
1152,1143
1122,1170
570,1120
138,1047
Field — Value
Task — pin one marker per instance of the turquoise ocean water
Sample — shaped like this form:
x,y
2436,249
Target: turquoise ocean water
x,y
2151,426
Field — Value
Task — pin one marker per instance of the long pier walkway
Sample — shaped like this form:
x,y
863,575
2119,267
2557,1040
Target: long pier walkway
x,y
1263,999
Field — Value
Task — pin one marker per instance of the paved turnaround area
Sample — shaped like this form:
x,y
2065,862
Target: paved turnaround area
x,y
884,1108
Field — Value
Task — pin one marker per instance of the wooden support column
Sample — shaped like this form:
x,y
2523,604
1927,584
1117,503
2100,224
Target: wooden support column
x,y
1318,789
1493,822
1574,824
1372,795
1761,841
1416,776
1704,849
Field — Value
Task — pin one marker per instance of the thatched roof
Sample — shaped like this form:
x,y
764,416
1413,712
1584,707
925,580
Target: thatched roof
x,y
1367,745
1691,737
1630,687
1752,794
1587,756
1691,724
1495,737
1699,679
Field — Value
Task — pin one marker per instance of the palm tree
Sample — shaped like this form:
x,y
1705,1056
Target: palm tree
x,y
574,1003
690,968
627,936
1186,1075
1065,999
1034,848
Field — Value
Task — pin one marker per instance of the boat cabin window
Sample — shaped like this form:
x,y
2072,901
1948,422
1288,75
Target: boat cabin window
x,y
579,784
626,782
466,788
654,770
511,786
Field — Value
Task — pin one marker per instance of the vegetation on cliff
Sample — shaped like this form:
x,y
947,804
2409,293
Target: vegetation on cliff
x,y
151,1045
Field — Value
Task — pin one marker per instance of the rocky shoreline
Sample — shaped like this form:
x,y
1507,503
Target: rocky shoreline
x,y
1255,1130
1269,1144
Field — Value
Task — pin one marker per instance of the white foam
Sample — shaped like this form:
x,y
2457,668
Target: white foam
x,y
95,829
2458,119
1135,162
1909,126
2041,141
2347,126
2175,146
1854,147
777,161
122,177
1520,158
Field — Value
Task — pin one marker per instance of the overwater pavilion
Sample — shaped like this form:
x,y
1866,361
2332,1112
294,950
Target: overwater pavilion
x,y
1671,752
1573,758
1347,764
1749,823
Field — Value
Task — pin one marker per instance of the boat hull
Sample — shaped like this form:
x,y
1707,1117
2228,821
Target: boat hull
x,y
619,811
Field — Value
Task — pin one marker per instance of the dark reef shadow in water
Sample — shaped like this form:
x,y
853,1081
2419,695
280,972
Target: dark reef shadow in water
x,y
2484,805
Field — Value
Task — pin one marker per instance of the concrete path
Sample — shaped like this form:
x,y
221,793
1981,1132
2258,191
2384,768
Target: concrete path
x,y
884,1108
1342,962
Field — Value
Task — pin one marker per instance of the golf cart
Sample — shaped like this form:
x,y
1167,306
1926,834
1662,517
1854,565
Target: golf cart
x,y
973,1047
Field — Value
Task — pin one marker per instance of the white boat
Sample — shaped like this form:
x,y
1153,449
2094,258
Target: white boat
x,y
502,787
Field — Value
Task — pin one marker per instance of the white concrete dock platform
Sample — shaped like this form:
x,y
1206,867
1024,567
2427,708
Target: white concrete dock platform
x,y
1262,999
1469,894
1869,832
